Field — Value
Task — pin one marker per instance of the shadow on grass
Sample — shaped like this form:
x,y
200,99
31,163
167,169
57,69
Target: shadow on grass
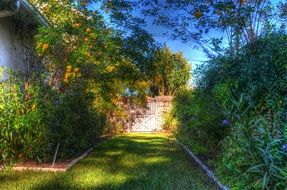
x,y
128,162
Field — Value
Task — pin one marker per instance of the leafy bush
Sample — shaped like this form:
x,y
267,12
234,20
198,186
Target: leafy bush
x,y
199,121
23,133
239,104
257,112
35,117
169,122
72,120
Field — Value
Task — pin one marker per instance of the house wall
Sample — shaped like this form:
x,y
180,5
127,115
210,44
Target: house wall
x,y
6,42
17,44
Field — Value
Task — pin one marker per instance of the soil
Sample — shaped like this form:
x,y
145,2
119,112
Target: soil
x,y
33,164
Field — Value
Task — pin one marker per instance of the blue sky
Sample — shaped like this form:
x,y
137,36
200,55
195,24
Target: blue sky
x,y
195,56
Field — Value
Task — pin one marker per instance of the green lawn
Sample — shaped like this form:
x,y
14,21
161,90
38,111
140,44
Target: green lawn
x,y
133,161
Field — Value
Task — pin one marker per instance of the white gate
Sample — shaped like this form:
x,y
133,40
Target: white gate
x,y
151,119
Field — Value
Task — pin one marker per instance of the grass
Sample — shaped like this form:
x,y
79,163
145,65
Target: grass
x,y
133,161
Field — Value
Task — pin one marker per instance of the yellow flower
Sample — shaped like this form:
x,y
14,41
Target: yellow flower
x,y
76,25
110,69
33,107
88,30
67,75
76,70
45,47
69,68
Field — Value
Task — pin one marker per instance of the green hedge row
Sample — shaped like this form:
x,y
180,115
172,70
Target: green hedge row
x,y
237,115
35,118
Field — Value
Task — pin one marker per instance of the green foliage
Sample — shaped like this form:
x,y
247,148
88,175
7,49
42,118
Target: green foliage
x,y
170,123
72,120
166,72
140,47
257,111
77,93
253,139
35,118
239,104
199,121
171,72
21,120
82,41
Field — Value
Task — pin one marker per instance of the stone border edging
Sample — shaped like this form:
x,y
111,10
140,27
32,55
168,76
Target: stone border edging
x,y
203,166
50,169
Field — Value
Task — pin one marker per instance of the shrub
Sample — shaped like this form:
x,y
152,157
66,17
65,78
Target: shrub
x,y
200,122
72,120
23,133
35,117
240,103
257,110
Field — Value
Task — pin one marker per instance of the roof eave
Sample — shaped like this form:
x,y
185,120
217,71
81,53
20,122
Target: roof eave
x,y
40,18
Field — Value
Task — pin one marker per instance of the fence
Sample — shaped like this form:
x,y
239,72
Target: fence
x,y
151,117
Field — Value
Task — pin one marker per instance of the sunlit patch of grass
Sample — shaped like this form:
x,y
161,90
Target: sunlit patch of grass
x,y
132,161
156,160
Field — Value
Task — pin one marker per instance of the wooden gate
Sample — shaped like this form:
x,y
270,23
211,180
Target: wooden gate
x,y
151,117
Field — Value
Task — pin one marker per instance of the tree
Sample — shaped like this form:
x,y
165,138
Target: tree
x,y
209,23
242,21
140,48
171,72
87,71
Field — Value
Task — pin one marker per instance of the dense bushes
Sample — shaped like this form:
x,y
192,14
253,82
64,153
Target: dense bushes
x,y
239,106
35,118
200,122
257,114
72,120
20,120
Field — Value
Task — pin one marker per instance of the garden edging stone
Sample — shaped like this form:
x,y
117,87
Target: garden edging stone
x,y
51,169
203,166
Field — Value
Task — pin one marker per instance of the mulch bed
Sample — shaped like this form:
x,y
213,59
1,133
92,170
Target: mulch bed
x,y
61,166
31,165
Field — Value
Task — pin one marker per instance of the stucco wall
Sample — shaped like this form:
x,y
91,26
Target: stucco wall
x,y
17,44
6,41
